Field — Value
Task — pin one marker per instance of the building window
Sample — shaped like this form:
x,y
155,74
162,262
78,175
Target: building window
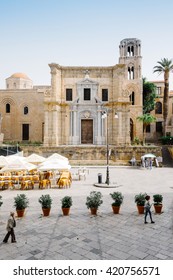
x,y
158,109
68,94
104,94
25,110
131,73
87,94
148,128
7,108
14,85
130,51
158,90
158,126
132,98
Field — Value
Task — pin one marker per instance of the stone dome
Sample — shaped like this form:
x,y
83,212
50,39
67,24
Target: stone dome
x,y
20,75
19,81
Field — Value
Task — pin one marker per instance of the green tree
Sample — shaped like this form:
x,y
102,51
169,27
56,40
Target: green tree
x,y
149,96
146,119
165,66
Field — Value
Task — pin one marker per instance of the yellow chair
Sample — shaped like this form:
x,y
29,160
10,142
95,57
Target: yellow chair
x,y
43,184
65,180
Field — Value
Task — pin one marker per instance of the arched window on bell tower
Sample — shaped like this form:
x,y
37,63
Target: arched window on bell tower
x,y
130,51
131,74
132,98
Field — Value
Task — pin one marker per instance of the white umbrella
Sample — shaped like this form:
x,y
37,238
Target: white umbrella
x,y
18,165
3,161
57,157
35,159
148,156
15,157
54,165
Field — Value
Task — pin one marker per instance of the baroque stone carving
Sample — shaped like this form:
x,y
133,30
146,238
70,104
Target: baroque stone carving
x,y
87,114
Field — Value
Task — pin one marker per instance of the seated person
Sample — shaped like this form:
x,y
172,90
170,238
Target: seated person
x,y
133,161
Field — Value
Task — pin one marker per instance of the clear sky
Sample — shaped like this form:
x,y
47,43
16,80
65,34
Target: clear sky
x,y
35,33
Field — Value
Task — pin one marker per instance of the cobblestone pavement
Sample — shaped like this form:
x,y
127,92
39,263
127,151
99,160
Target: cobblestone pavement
x,y
103,237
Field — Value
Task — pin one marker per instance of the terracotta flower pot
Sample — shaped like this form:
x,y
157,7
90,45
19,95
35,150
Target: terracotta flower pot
x,y
46,211
158,208
66,211
20,213
93,211
140,209
116,209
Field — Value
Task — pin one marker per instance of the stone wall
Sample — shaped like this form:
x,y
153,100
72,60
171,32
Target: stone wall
x,y
95,155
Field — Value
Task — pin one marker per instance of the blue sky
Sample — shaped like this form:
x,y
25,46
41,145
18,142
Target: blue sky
x,y
35,33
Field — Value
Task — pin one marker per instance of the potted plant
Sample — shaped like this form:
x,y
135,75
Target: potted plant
x,y
20,203
94,200
45,201
66,203
140,202
118,200
158,198
1,200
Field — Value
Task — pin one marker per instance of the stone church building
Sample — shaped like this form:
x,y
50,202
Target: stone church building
x,y
78,96
70,111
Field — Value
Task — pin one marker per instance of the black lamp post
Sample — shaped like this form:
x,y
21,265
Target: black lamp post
x,y
105,115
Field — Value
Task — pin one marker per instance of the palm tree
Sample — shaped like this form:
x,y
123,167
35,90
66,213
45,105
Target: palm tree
x,y
146,119
165,66
149,96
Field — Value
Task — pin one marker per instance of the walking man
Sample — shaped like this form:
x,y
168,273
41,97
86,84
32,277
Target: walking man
x,y
147,208
10,229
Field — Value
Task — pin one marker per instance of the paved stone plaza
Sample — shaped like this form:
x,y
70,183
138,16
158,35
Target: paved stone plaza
x,y
103,237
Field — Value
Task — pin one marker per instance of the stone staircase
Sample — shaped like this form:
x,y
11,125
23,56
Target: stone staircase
x,y
167,159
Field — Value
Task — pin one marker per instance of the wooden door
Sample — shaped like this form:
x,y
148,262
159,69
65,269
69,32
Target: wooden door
x,y
86,131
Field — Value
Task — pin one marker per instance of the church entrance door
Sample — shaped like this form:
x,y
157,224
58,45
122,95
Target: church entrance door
x,y
86,131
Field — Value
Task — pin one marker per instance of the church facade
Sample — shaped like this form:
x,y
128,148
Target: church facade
x,y
79,96
70,111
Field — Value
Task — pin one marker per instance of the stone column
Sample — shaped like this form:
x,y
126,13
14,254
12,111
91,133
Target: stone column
x,y
54,127
71,140
127,127
71,124
74,121
99,140
74,139
54,80
46,128
119,140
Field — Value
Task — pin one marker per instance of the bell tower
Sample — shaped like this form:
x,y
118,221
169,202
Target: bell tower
x,y
130,55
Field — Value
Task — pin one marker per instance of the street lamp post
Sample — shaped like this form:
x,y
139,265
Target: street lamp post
x,y
105,115
107,154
